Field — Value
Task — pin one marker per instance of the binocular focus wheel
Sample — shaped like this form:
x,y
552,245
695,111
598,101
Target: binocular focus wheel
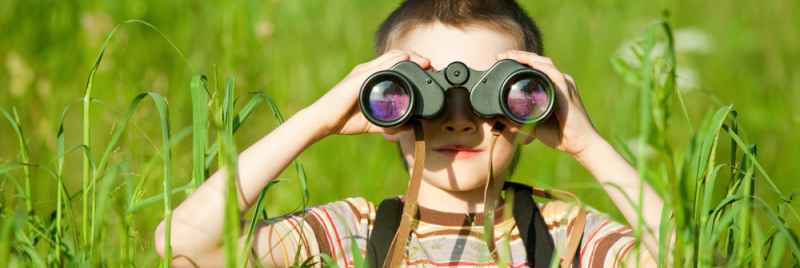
x,y
456,73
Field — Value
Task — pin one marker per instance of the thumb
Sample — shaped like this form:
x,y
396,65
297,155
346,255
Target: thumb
x,y
393,134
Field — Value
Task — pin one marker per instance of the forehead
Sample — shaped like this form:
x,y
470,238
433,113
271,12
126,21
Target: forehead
x,y
475,45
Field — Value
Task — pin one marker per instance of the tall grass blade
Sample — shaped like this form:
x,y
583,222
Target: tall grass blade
x,y
100,219
24,158
166,153
256,99
228,162
200,95
60,194
9,226
259,214
88,172
166,156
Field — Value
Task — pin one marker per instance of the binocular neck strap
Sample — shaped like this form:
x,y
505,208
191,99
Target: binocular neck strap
x,y
398,245
490,195
491,192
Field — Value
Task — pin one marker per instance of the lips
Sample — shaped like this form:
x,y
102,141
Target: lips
x,y
457,151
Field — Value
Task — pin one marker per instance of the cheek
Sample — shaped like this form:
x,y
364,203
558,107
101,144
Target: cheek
x,y
503,155
406,141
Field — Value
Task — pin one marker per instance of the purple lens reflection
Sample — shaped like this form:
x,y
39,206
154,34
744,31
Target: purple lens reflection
x,y
388,101
527,99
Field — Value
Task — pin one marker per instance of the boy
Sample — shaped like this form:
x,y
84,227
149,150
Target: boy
x,y
431,34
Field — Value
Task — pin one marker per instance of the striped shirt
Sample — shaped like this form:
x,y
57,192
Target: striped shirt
x,y
444,239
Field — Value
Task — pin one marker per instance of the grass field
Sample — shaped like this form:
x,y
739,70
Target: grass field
x,y
740,55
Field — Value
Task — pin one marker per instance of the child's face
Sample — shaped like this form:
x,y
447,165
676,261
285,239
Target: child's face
x,y
458,170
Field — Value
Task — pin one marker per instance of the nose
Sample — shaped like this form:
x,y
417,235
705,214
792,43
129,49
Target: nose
x,y
458,117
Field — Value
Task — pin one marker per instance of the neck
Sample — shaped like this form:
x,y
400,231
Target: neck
x,y
433,197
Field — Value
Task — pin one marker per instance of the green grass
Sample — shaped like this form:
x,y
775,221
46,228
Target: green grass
x,y
87,172
687,180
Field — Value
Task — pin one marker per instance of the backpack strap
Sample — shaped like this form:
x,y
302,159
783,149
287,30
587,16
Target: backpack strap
x,y
387,220
575,228
532,228
539,245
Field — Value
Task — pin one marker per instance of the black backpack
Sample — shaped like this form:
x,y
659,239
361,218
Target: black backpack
x,y
532,228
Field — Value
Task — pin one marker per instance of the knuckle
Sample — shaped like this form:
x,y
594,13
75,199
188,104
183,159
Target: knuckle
x,y
358,68
569,78
514,54
395,53
526,54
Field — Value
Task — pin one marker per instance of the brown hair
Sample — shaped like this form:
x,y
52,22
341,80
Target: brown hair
x,y
502,15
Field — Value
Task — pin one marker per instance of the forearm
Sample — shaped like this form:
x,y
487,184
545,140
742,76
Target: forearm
x,y
197,222
623,184
274,251
264,160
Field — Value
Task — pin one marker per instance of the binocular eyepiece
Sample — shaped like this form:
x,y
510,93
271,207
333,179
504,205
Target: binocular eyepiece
x,y
391,97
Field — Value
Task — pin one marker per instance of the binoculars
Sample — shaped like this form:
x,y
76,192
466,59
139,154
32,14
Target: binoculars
x,y
391,97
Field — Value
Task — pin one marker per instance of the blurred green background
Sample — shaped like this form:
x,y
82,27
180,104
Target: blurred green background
x,y
743,53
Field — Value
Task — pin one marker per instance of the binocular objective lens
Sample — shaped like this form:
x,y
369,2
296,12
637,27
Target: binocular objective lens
x,y
388,100
527,98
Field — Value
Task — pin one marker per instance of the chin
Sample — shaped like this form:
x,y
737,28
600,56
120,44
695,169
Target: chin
x,y
456,182
462,175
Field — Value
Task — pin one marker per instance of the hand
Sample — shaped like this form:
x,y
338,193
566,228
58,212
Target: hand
x,y
569,128
338,111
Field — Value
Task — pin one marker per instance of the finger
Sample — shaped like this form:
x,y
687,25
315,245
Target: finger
x,y
540,63
367,65
524,57
570,81
573,88
396,130
423,62
392,55
544,65
562,95
530,59
388,59
554,74
573,91
383,62
394,134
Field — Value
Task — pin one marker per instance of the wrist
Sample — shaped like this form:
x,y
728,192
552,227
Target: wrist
x,y
594,144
